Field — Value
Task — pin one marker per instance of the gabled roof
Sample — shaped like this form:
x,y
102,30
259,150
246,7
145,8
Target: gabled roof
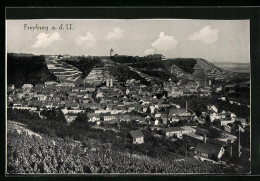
x,y
208,148
177,111
173,129
189,128
136,134
91,115
201,131
198,137
216,142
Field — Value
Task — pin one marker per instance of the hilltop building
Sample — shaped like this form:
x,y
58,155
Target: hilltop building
x,y
157,56
111,52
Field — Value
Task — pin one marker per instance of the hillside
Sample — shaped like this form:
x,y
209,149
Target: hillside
x,y
84,64
157,71
175,69
83,148
123,73
27,69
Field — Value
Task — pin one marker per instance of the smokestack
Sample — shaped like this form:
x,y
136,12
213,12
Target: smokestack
x,y
186,106
204,138
238,141
111,82
230,150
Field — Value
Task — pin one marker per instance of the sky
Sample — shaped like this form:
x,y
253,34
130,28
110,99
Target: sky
x,y
213,40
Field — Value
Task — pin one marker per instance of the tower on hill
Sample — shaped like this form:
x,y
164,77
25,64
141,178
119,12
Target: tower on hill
x,y
111,52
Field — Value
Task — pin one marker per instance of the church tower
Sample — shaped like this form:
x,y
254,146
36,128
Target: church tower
x,y
111,52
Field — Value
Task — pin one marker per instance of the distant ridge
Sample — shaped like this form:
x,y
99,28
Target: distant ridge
x,y
27,69
234,67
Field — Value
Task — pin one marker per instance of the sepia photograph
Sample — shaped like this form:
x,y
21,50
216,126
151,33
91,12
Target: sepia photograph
x,y
128,96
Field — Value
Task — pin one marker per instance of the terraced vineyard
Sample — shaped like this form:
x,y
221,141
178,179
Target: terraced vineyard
x,y
63,71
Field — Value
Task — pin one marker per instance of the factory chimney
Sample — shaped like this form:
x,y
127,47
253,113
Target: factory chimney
x,y
204,138
238,141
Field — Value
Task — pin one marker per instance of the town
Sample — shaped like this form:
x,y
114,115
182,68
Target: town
x,y
166,108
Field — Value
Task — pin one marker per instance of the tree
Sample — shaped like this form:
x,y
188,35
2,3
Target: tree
x,y
214,133
214,157
81,118
89,110
207,120
81,121
54,115
10,105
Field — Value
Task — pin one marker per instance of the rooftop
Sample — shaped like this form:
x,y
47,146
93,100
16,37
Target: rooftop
x,y
208,148
173,129
136,134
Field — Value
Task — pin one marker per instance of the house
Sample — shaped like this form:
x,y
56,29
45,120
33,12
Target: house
x,y
201,131
109,118
224,122
90,88
157,56
73,105
235,128
188,129
182,114
84,101
160,105
241,120
210,151
70,111
11,87
70,118
75,90
173,131
218,89
99,94
157,115
137,136
72,94
179,112
174,119
231,114
156,122
50,83
193,139
82,89
223,98
213,108
175,93
93,117
227,128
27,86
144,101
83,105
231,88
164,119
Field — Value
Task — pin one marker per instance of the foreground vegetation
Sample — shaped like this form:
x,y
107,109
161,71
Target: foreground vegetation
x,y
83,148
31,154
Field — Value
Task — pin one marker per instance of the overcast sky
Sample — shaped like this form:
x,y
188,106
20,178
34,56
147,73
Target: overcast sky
x,y
214,40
